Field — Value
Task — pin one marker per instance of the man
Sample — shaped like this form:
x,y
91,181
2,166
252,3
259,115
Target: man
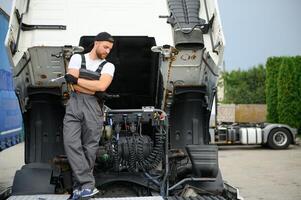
x,y
84,118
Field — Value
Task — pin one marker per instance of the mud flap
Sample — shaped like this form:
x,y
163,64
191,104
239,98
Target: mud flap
x,y
32,179
204,159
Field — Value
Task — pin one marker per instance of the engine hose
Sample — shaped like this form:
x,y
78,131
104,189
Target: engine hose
x,y
152,179
135,146
140,156
132,156
115,154
154,158
159,149
143,163
128,165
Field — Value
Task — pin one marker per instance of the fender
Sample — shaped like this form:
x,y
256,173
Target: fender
x,y
268,128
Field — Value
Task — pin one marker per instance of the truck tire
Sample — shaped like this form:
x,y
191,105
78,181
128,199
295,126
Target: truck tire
x,y
279,138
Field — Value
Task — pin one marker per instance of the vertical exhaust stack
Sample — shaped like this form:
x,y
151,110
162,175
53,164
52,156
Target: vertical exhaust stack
x,y
186,24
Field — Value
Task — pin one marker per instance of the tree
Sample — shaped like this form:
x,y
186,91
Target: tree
x,y
298,91
272,69
288,98
245,87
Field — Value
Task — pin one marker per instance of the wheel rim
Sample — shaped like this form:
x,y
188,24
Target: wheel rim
x,y
280,138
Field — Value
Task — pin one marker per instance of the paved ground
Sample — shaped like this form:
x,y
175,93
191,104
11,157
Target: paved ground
x,y
11,159
258,173
263,173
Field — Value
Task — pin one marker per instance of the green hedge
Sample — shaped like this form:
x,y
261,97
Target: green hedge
x,y
298,88
283,90
272,68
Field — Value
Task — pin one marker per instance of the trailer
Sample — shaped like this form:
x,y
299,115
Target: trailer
x,y
11,131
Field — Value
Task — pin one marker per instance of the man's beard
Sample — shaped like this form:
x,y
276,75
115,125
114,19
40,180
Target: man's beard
x,y
101,55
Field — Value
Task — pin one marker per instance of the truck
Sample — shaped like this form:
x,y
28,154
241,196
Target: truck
x,y
11,131
246,124
155,143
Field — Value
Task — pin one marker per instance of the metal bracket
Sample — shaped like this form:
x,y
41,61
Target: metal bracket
x,y
30,27
205,28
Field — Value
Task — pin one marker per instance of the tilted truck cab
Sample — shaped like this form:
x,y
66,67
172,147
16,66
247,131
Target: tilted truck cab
x,y
155,142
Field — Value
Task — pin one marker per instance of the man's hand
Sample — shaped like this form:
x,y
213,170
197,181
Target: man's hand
x,y
71,79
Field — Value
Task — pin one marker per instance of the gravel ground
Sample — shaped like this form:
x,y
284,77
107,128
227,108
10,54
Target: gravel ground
x,y
257,172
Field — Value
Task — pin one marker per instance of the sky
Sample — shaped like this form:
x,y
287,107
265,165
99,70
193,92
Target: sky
x,y
6,5
257,29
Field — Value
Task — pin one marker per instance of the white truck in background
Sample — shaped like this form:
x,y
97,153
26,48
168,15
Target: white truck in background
x,y
245,124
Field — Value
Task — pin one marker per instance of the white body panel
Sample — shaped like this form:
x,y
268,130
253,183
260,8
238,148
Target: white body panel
x,y
217,31
89,17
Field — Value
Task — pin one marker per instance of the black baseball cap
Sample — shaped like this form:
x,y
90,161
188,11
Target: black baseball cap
x,y
104,36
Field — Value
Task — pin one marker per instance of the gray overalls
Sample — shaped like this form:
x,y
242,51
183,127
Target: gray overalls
x,y
82,131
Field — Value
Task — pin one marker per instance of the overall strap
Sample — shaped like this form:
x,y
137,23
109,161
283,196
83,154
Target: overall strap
x,y
83,64
101,66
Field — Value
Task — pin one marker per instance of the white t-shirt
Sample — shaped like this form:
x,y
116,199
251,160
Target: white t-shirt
x,y
76,60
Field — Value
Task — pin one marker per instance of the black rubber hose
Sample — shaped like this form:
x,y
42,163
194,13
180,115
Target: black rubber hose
x,y
155,156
